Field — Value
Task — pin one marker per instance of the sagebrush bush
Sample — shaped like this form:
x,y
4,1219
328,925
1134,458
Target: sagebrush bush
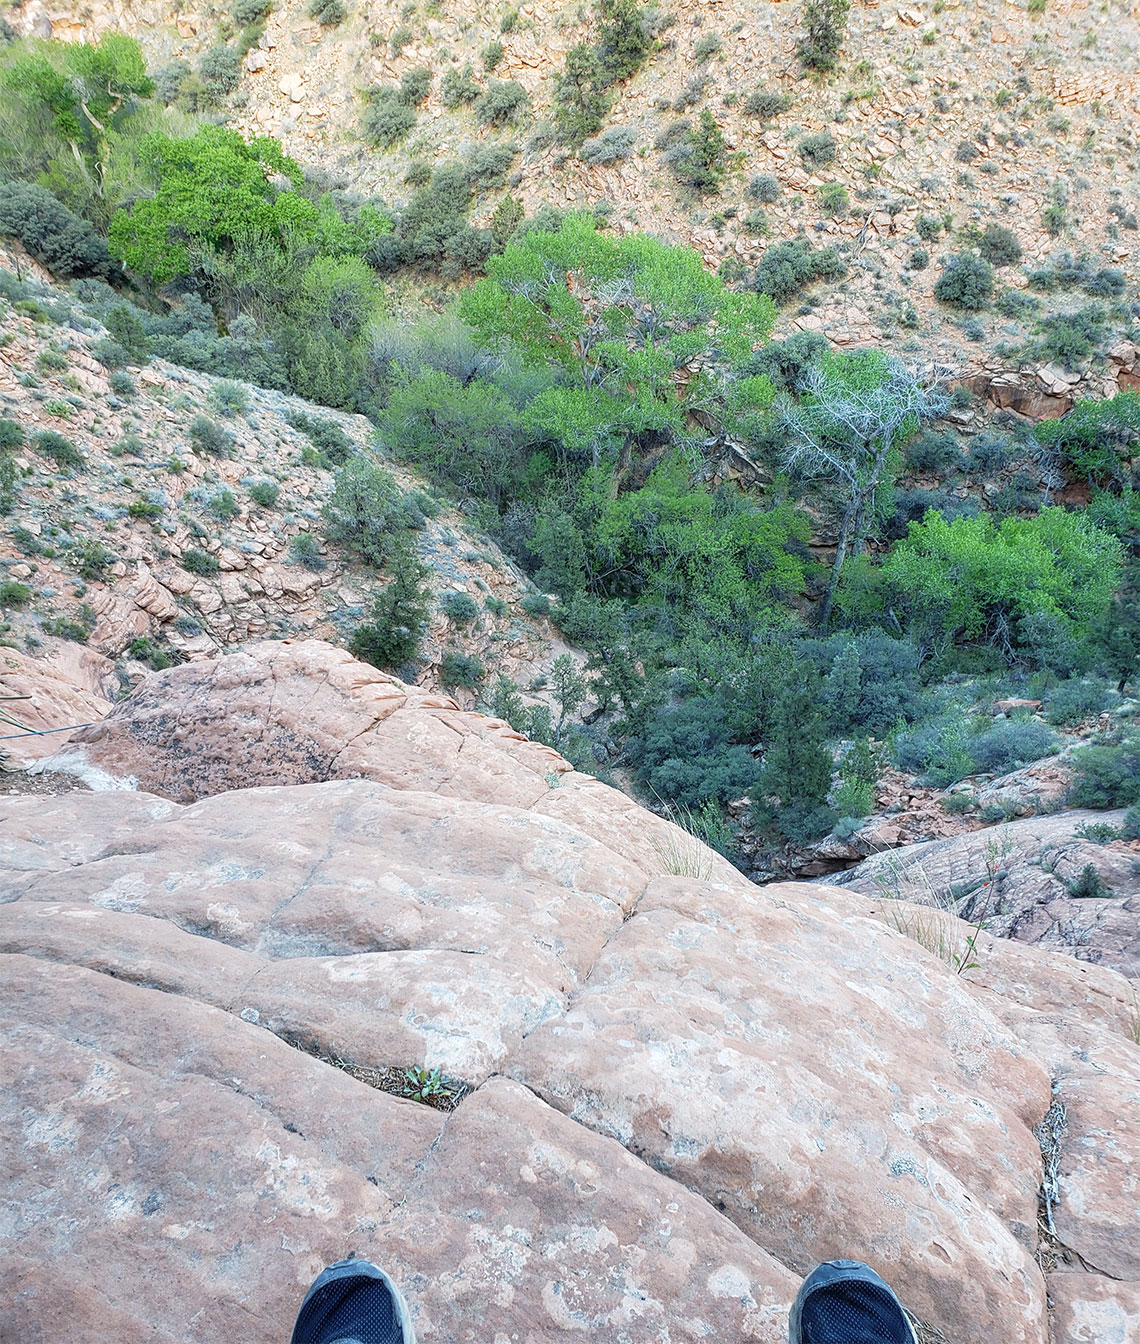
x,y
1074,702
50,443
1106,775
789,267
67,245
818,149
460,669
246,12
487,165
766,103
387,119
304,550
415,85
764,188
938,750
458,88
999,246
11,436
197,561
824,22
330,13
265,493
208,436
614,144
1010,744
460,608
967,282
934,451
501,102
1069,338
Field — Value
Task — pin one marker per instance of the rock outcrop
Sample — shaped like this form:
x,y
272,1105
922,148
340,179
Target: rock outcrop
x,y
1027,880
679,1090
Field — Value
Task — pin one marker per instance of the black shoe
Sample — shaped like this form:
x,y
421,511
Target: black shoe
x,y
353,1302
845,1302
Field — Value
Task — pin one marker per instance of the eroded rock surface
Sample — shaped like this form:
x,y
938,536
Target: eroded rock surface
x,y
684,1090
1025,880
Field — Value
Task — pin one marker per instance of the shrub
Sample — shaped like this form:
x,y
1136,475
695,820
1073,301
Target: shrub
x,y
67,245
145,510
937,750
487,165
415,85
92,560
1010,744
460,669
766,103
246,12
789,267
265,493
967,282
999,246
501,102
326,436
686,757
196,561
834,200
928,227
934,451
460,608
1130,825
386,120
208,436
220,72
223,506
168,81
611,146
1069,338
365,511
817,150
697,155
707,48
14,594
304,550
1107,775
390,637
1089,885
329,13
493,54
402,37
458,89
157,656
121,383
536,604
966,151
1016,303
11,436
1074,702
229,398
764,188
50,443
824,22
990,453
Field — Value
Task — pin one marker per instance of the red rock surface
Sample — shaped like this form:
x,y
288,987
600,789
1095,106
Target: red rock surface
x,y
684,1090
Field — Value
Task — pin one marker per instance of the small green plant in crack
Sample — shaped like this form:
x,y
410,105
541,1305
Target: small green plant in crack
x,y
426,1085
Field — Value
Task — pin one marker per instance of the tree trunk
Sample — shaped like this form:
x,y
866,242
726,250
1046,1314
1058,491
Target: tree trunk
x,y
845,529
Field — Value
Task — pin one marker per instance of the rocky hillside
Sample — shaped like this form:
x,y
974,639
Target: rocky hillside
x,y
951,113
657,1093
161,514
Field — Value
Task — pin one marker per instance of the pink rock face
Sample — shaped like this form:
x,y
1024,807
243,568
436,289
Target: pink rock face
x,y
67,685
682,1090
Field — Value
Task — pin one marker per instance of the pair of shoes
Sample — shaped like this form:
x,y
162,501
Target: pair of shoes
x,y
845,1302
353,1302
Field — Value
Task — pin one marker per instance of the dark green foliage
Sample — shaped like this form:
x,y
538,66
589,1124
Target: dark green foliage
x,y
823,23
707,47
145,510
1089,885
124,325
50,443
219,71
493,54
223,506
433,232
76,628
686,756
817,150
169,80
487,165
156,655
458,88
401,38
623,40
265,493
990,453
1117,633
304,550
697,154
208,436
1016,303
1095,435
329,13
366,511
934,451
1069,338
766,103
536,604
870,681
967,282
1107,775
11,436
919,259
121,383
501,102
764,188
14,594
325,435
390,637
247,12
460,669
787,268
196,561
795,779
1010,744
415,85
937,750
92,560
783,363
928,227
459,608
67,245
387,119
1130,825
229,398
999,246
1075,702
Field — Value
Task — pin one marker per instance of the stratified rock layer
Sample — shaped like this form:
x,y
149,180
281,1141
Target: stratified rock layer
x,y
684,1090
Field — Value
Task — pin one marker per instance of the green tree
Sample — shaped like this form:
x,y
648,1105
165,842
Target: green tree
x,y
824,22
390,637
795,776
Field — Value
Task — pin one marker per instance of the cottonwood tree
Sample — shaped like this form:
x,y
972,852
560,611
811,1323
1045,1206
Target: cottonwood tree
x,y
853,412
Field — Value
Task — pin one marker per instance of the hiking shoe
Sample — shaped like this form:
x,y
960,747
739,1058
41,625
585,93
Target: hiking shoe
x,y
353,1302
845,1302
